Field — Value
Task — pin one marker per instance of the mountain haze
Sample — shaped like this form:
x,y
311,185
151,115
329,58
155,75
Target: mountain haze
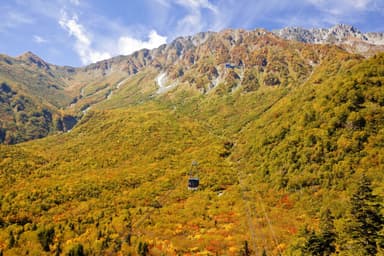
x,y
287,129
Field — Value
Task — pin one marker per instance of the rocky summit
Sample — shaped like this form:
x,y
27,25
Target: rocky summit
x,y
340,34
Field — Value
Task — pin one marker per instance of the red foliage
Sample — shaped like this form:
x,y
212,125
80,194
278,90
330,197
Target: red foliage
x,y
286,202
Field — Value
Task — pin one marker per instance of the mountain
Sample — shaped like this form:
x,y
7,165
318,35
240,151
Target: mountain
x,y
286,135
57,96
347,36
337,34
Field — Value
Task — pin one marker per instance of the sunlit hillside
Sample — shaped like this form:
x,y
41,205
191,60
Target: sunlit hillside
x,y
286,136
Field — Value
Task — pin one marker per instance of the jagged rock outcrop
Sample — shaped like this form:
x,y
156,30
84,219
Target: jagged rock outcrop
x,y
32,59
349,37
337,34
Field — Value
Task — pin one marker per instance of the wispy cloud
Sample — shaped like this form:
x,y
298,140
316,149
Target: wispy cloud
x,y
197,4
12,19
39,39
128,45
83,43
89,52
306,13
75,2
342,6
199,15
165,3
19,18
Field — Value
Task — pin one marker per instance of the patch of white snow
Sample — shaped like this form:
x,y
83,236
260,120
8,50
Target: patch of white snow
x,y
161,82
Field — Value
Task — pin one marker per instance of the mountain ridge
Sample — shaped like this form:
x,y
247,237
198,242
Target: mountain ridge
x,y
347,36
340,33
336,34
199,62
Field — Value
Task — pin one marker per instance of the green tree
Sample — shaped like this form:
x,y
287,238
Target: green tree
x,y
76,250
322,243
314,245
264,253
12,240
245,251
58,249
143,250
366,219
46,238
328,233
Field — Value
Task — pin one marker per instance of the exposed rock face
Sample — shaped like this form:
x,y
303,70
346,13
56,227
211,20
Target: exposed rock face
x,y
31,58
337,34
66,123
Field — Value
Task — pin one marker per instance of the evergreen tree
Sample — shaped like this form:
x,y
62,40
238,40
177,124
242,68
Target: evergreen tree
x,y
12,240
245,251
366,219
322,244
328,234
46,238
58,249
264,253
142,250
76,250
314,245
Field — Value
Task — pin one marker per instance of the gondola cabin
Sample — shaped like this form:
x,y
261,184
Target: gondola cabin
x,y
233,66
228,65
193,183
193,180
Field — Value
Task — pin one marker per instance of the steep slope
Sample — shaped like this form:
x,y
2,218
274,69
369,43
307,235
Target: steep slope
x,y
32,93
272,158
226,62
316,143
282,131
21,117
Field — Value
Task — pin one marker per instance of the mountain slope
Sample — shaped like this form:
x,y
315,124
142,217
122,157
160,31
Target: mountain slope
x,y
280,138
32,93
226,62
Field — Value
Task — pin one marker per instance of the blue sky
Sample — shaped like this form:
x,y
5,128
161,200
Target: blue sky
x,y
79,32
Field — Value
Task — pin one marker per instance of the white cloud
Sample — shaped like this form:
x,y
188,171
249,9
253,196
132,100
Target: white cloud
x,y
13,19
128,45
194,21
39,39
75,2
342,6
197,4
89,52
19,18
165,3
83,44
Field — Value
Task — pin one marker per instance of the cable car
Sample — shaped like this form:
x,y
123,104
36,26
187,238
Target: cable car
x,y
229,65
193,181
233,66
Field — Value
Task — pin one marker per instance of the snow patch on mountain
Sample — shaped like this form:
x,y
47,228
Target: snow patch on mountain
x,y
161,81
